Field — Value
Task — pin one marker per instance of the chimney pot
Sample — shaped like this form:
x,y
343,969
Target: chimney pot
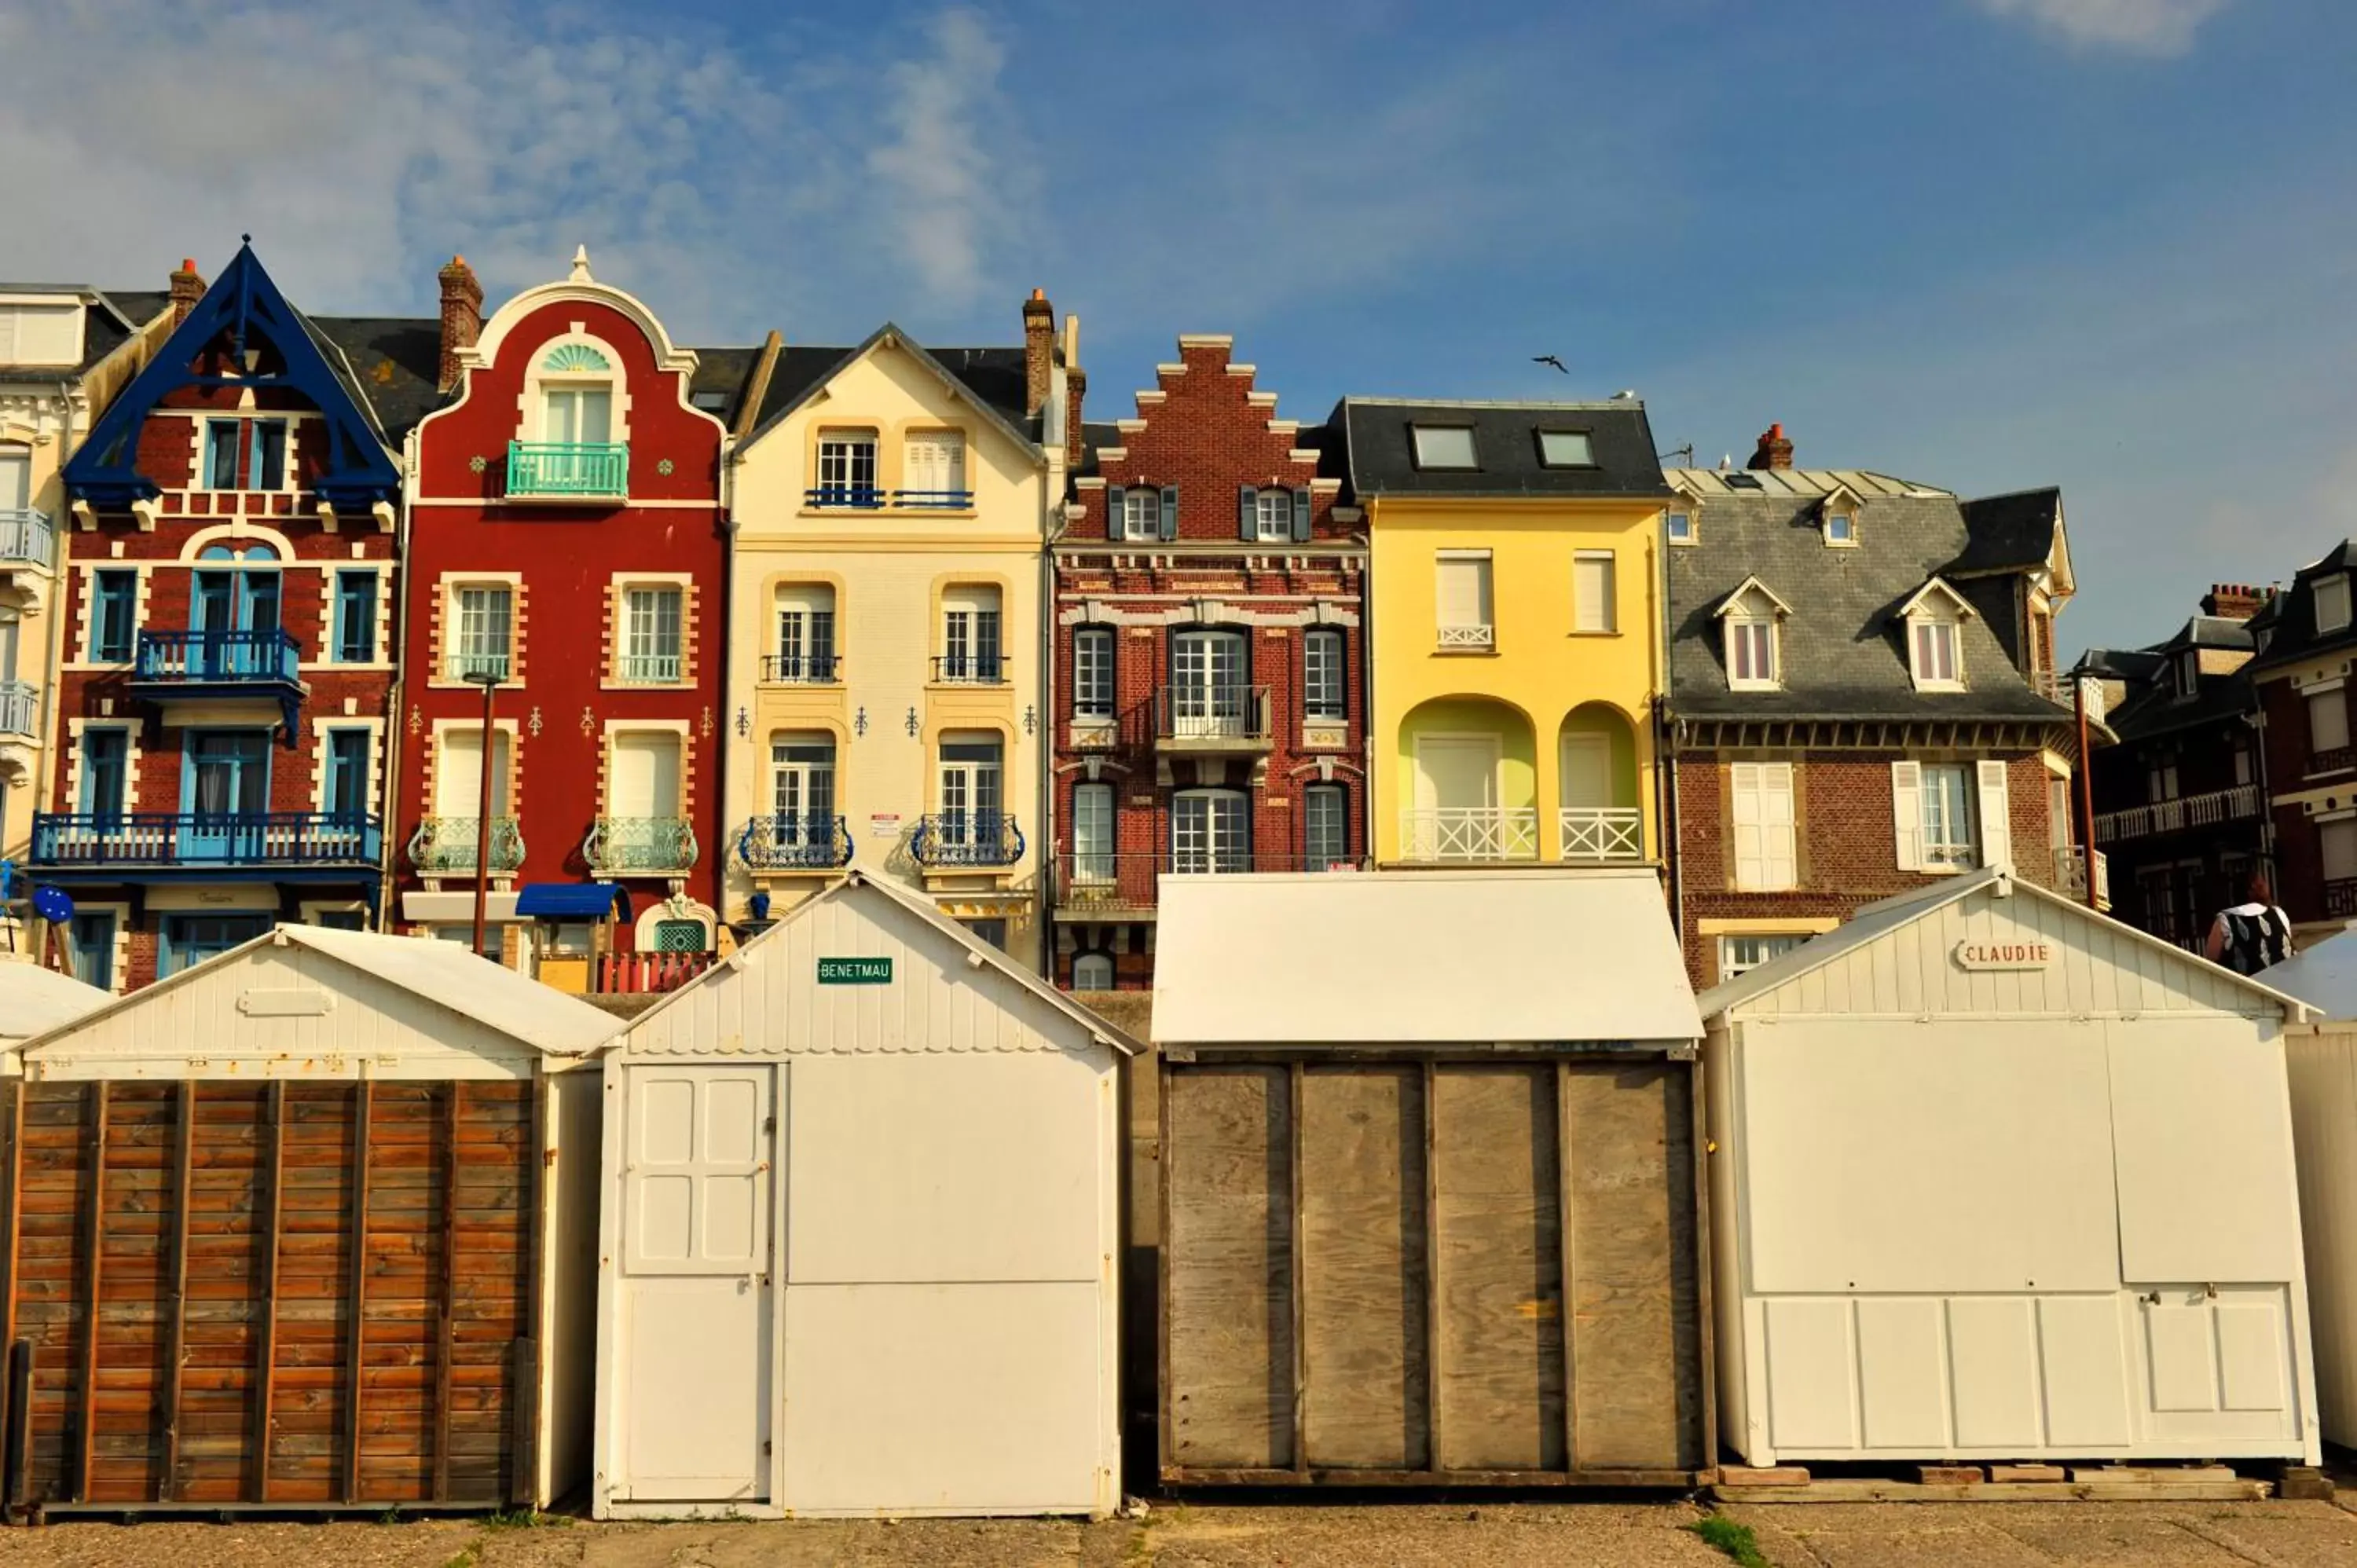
x,y
1774,451
462,316
187,288
1038,352
2233,601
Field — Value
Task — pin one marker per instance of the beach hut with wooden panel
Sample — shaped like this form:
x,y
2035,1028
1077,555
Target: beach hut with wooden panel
x,y
861,1230
312,1224
1430,1182
1995,1177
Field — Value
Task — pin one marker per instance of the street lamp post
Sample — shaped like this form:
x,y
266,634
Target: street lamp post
x,y
488,677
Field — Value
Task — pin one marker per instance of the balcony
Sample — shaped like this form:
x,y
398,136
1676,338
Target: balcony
x,y
445,846
2173,816
953,840
26,538
2341,898
641,846
970,669
801,670
648,974
2071,875
214,663
2061,689
866,497
1206,720
1102,887
205,841
649,669
1455,834
1602,835
568,471
1468,638
2332,759
20,708
795,843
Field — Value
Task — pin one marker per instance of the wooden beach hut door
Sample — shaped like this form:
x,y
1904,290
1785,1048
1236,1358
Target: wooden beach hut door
x,y
695,1281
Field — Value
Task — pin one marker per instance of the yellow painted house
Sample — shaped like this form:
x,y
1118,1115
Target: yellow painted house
x,y
886,671
1517,629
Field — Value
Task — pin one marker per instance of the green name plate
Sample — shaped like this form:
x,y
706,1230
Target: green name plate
x,y
854,971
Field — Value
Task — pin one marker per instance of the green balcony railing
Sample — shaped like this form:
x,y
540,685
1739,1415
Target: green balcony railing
x,y
642,845
559,468
446,846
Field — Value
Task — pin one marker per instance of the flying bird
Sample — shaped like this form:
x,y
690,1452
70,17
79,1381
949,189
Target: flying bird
x,y
1549,359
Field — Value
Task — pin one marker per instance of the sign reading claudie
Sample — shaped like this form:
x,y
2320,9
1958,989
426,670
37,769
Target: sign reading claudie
x,y
854,971
2004,955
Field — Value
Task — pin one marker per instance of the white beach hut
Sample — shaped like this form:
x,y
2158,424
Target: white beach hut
x,y
33,1000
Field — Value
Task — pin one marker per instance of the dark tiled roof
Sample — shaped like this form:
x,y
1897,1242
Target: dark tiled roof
x,y
1842,647
2209,631
110,320
2008,533
724,373
2130,665
1094,436
389,363
995,377
1381,452
2153,707
2292,614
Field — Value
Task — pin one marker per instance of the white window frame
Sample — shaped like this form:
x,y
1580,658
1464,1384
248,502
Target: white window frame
x,y
1141,513
639,632
838,463
1216,854
533,412
1096,810
1433,459
951,441
1549,459
1273,515
799,602
2332,699
1947,629
1942,850
1095,663
1315,707
1730,965
1092,957
1670,530
1778,858
13,308
1478,634
455,637
2338,620
1610,561
1841,527
805,771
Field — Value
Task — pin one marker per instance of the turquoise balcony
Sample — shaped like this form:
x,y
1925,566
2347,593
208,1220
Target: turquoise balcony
x,y
558,470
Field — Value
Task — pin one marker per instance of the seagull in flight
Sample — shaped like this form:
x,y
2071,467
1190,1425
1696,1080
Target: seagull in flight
x,y
1549,359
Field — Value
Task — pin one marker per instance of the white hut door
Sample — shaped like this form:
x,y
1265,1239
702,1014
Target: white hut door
x,y
696,1352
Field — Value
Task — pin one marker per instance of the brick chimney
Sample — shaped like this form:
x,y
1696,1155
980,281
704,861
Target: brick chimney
x,y
1076,392
462,317
187,288
1039,351
1774,451
2233,601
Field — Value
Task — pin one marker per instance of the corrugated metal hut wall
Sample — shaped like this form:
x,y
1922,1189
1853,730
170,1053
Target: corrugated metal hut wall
x,y
2323,1063
1429,1267
249,1274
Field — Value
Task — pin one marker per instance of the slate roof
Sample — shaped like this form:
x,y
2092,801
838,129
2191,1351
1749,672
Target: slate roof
x,y
995,377
1382,453
110,320
1841,648
2291,614
389,363
2009,533
1094,436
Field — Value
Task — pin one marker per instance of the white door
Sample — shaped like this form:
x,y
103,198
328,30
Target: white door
x,y
16,479
695,1352
645,779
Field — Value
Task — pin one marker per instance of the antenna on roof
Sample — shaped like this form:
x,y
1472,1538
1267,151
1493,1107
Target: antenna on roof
x,y
1685,451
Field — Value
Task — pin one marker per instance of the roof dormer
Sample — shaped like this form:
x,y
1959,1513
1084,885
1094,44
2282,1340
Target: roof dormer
x,y
1751,621
1934,617
1838,512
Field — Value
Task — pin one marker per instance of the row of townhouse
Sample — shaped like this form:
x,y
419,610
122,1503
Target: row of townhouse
x,y
337,610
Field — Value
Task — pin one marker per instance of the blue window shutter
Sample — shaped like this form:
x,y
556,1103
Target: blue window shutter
x,y
1301,516
1247,513
1115,498
1169,512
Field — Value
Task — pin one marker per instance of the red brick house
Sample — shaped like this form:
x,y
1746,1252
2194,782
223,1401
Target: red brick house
x,y
1862,697
1208,700
2305,643
228,628
567,547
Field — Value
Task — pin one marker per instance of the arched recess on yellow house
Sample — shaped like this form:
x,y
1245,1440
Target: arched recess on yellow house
x,y
1469,782
1602,815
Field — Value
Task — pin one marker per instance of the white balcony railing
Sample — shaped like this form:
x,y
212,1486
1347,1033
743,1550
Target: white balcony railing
x,y
1603,834
1468,637
2071,875
1471,834
2185,811
2062,689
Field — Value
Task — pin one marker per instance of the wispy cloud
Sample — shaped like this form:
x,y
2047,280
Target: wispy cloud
x,y
2132,26
948,192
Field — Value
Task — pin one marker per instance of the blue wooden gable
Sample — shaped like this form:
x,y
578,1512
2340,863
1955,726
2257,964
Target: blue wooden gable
x,y
244,305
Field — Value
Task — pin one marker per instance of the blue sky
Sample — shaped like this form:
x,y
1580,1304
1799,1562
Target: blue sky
x,y
1984,244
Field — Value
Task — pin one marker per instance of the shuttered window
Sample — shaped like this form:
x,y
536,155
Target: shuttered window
x,y
1462,581
2336,848
2328,720
1994,800
1141,514
935,466
40,333
1766,854
1947,829
2331,604
1593,594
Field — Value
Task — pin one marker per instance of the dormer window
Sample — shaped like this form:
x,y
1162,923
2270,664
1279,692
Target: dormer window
x,y
1934,619
1841,527
2189,673
1752,616
1444,446
2332,602
1566,449
1935,651
1679,526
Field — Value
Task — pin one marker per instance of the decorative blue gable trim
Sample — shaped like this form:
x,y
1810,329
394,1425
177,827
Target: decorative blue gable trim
x,y
246,304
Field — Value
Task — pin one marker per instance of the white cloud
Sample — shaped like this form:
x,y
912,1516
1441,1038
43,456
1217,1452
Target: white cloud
x,y
2135,26
947,193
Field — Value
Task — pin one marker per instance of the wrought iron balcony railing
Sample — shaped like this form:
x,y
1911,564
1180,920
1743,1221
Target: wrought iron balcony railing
x,y
563,469
1602,834
640,845
20,708
1471,834
2186,812
801,668
970,668
1096,883
166,658
966,838
2341,898
794,843
444,847
26,538
1213,718
165,839
2332,760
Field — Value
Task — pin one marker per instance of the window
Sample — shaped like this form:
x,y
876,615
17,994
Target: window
x,y
1462,591
802,787
1594,599
2327,723
1765,849
1841,526
2189,673
990,933
190,940
2245,765
971,769
1092,673
220,454
709,402
578,415
1948,838
1093,841
2336,849
348,773
1737,954
92,935
485,621
105,759
15,478
1934,646
846,470
114,616
1141,514
226,774
650,635
2331,604
1272,514
1093,971
458,784
41,334
1209,694
1752,642
643,780
1325,828
1680,527
805,651
266,454
1210,830
355,618
970,637
2161,778
1566,449
934,466
1444,446
1324,697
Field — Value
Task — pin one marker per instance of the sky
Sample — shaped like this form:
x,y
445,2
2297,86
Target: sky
x,y
1983,245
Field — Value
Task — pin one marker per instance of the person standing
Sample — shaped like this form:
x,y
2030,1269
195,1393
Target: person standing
x,y
2251,936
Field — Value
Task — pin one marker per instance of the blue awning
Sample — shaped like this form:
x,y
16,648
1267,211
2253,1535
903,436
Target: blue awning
x,y
571,901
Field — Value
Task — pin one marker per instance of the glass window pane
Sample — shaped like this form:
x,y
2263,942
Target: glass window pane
x,y
1326,834
1444,446
1566,449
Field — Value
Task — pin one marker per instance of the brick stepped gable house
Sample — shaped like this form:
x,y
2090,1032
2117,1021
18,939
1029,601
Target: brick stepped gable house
x,y
1209,706
65,351
2181,808
228,618
2304,657
1863,696
568,537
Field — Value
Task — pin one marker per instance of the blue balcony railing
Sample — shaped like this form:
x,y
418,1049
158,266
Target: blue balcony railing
x,y
640,845
168,840
216,658
966,838
851,498
595,470
795,843
26,537
20,708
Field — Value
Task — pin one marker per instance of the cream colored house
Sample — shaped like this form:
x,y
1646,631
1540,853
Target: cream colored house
x,y
887,670
65,351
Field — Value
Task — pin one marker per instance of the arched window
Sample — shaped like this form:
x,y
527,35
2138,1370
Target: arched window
x,y
575,383
1093,971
